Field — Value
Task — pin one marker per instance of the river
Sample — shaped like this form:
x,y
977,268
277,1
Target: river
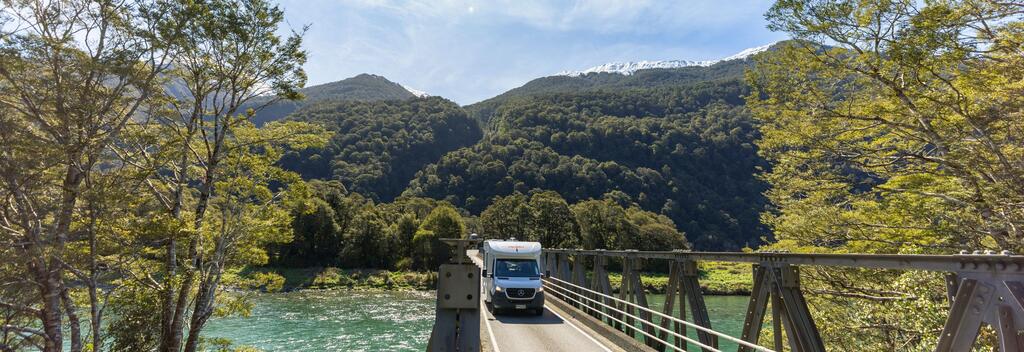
x,y
340,320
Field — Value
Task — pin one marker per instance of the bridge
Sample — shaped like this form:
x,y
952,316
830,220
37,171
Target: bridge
x,y
583,313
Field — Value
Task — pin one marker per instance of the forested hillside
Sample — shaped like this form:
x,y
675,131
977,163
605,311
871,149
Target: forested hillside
x,y
650,78
364,87
685,152
676,142
377,147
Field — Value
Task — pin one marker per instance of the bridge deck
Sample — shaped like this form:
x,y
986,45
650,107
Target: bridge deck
x,y
553,331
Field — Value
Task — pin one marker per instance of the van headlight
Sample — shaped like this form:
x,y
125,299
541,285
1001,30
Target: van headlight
x,y
540,289
498,289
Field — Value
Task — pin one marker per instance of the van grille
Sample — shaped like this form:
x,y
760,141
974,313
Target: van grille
x,y
519,292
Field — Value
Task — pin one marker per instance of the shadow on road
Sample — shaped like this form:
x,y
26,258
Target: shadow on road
x,y
525,317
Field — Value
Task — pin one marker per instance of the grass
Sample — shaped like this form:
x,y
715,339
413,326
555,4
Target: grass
x,y
716,278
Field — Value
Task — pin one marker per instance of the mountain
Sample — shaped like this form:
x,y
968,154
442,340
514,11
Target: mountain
x,y
628,68
686,152
643,75
678,142
364,87
675,141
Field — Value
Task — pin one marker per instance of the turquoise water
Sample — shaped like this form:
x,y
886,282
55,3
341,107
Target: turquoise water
x,y
726,312
378,321
332,321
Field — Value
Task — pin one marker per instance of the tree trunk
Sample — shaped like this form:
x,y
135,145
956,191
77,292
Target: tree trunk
x,y
52,316
73,322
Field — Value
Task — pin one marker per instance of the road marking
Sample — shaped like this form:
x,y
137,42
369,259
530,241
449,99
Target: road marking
x,y
574,327
487,321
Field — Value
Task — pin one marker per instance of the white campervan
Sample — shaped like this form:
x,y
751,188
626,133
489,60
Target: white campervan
x,y
512,275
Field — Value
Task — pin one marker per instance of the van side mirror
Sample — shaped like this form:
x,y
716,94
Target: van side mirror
x,y
484,273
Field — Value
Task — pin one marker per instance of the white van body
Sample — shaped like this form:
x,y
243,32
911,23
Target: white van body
x,y
513,275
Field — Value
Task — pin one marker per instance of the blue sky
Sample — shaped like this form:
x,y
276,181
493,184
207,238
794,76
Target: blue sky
x,y
469,50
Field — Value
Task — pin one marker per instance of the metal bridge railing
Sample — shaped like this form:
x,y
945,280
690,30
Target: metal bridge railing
x,y
983,288
563,289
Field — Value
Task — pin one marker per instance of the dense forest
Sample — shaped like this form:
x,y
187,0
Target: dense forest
x,y
339,228
376,147
686,153
642,79
676,142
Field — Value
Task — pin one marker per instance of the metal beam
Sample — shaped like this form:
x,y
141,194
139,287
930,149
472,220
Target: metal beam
x,y
756,307
965,316
691,288
952,263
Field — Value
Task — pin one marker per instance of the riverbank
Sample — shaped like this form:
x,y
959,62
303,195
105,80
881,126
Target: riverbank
x,y
715,279
356,279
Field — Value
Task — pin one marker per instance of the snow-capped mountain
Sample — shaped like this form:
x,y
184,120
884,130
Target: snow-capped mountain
x,y
418,93
627,68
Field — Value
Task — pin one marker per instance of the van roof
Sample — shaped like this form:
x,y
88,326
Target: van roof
x,y
513,247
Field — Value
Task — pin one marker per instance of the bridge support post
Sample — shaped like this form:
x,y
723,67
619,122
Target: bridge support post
x,y
563,267
601,283
640,297
781,284
624,294
984,297
579,276
457,316
684,286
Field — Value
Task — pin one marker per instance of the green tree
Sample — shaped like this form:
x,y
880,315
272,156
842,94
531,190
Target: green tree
x,y
65,99
604,225
900,137
508,217
554,225
405,230
213,167
367,242
443,222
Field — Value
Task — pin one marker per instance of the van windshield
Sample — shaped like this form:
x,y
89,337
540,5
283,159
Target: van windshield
x,y
516,268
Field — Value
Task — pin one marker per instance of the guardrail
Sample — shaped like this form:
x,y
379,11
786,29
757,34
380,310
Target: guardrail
x,y
564,291
983,288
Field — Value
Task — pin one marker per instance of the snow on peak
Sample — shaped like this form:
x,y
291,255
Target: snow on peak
x,y
627,68
418,93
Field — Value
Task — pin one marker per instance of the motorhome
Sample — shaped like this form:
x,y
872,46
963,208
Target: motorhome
x,y
512,276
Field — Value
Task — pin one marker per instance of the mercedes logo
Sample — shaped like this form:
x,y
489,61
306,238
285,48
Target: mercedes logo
x,y
521,292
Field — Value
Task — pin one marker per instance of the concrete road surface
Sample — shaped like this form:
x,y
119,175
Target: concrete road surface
x,y
512,332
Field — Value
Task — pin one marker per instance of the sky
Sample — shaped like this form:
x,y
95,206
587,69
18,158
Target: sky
x,y
471,50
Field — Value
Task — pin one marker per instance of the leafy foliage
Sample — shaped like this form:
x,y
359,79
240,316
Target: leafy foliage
x,y
377,147
686,152
902,138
